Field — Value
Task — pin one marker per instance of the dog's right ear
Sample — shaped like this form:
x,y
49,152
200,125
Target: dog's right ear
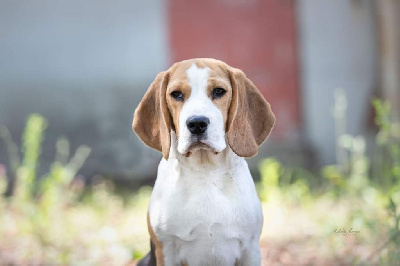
x,y
152,119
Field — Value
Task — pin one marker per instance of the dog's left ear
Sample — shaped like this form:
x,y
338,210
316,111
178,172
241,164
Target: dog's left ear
x,y
152,119
250,118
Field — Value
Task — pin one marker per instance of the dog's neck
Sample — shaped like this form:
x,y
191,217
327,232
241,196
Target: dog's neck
x,y
204,161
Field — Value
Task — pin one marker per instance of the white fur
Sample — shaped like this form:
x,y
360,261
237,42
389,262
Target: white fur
x,y
200,104
204,208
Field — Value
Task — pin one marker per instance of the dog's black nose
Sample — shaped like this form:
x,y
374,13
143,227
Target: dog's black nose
x,y
197,124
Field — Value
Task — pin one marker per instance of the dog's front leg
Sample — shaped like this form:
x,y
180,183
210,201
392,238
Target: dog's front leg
x,y
252,256
170,254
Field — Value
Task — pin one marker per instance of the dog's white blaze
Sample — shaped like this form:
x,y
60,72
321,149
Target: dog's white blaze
x,y
200,104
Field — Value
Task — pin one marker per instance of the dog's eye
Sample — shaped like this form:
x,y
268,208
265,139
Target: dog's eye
x,y
218,93
177,95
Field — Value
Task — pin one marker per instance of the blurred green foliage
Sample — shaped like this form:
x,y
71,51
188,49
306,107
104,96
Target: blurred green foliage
x,y
387,172
367,188
52,220
57,219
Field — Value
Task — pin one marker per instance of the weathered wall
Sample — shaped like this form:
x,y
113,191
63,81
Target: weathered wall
x,y
257,36
337,40
84,65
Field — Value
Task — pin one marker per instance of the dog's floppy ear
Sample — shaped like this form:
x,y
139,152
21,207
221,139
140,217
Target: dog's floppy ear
x,y
250,119
152,119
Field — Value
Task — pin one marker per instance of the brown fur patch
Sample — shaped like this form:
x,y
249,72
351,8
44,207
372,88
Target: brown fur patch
x,y
175,106
224,102
159,247
152,120
250,116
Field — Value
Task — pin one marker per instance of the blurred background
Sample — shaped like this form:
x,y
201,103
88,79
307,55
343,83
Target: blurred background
x,y
330,70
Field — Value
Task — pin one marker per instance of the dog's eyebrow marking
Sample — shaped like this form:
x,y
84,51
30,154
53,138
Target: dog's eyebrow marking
x,y
198,78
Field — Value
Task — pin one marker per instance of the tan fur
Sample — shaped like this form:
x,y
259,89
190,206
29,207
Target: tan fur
x,y
221,81
152,119
178,82
248,118
158,245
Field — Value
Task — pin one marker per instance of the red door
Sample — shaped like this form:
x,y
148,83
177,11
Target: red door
x,y
257,36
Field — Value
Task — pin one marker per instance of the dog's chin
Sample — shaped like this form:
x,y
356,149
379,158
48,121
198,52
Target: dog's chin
x,y
199,146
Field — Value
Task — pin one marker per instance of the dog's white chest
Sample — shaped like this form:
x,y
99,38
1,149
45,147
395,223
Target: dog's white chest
x,y
203,232
204,220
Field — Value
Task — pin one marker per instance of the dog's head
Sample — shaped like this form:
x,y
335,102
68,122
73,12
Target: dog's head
x,y
209,105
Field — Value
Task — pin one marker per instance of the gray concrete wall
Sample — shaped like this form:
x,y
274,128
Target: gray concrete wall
x,y
337,42
84,65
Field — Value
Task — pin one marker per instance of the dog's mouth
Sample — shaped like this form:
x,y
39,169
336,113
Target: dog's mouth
x,y
199,144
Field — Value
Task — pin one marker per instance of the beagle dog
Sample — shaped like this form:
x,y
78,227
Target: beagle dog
x,y
204,116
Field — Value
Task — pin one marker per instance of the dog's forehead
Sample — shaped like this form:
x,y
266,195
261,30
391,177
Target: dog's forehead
x,y
181,71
